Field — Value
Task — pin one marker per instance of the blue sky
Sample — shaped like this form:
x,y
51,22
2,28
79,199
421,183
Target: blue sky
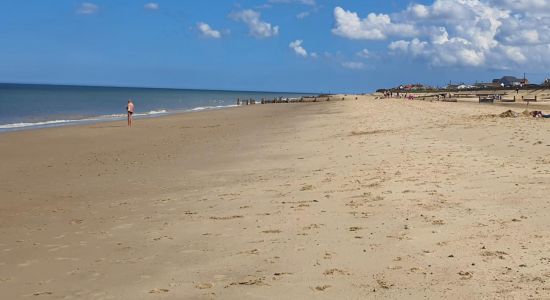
x,y
273,45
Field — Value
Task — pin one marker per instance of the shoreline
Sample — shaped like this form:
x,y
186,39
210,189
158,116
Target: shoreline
x,y
13,127
23,106
121,117
101,119
311,200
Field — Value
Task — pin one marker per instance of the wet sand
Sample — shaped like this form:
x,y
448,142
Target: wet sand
x,y
346,199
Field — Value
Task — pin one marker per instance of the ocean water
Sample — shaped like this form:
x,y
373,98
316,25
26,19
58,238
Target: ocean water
x,y
24,106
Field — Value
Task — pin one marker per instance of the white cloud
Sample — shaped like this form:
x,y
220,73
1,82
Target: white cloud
x,y
532,7
303,15
515,54
373,27
419,10
353,65
87,8
297,47
399,45
208,31
365,53
477,33
151,6
257,27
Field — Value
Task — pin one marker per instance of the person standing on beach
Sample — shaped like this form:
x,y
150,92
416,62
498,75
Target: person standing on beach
x,y
130,109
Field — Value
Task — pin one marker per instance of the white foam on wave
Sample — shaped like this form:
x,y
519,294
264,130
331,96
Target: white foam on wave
x,y
112,117
153,112
210,107
62,122
23,124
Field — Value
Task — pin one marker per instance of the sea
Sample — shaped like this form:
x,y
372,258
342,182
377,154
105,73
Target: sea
x,y
28,106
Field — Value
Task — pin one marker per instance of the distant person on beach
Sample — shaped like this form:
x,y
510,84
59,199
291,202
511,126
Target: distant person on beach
x,y
539,114
130,109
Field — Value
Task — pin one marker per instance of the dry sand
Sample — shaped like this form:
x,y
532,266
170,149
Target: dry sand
x,y
355,199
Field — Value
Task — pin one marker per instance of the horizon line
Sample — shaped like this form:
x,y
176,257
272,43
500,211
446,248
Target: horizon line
x,y
154,88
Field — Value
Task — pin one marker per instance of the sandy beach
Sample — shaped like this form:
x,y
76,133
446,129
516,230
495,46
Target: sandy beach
x,y
354,199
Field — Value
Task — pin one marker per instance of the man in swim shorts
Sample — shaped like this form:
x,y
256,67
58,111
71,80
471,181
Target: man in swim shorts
x,y
130,109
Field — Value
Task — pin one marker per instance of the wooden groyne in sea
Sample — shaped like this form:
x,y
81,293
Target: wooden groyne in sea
x,y
309,99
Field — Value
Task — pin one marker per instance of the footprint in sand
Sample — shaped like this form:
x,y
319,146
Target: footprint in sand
x,y
307,187
384,284
279,275
251,252
226,217
313,226
355,228
438,222
204,286
42,293
332,272
249,281
321,288
499,254
158,291
272,260
464,275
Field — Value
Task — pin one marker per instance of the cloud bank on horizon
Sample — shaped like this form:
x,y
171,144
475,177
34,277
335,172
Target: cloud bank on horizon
x,y
468,33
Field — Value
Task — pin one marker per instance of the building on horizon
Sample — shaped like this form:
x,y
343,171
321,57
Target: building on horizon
x,y
509,81
487,85
461,86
